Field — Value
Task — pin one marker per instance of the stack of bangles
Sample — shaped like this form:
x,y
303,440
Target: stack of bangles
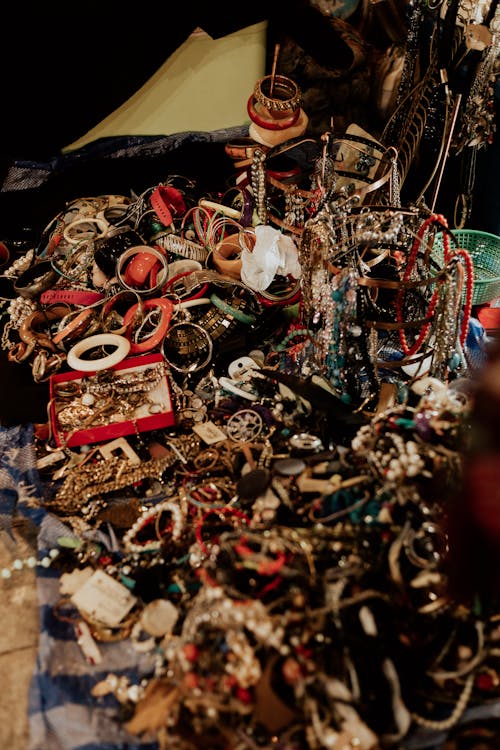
x,y
275,111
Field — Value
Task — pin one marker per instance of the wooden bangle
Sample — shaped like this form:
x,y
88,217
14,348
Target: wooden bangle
x,y
271,123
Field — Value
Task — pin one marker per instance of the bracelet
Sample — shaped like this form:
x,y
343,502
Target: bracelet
x,y
232,213
138,253
109,247
167,202
270,123
173,243
222,253
178,288
229,385
155,339
36,279
75,327
288,293
222,513
121,344
266,88
241,148
271,138
244,202
101,225
190,367
71,297
109,312
239,315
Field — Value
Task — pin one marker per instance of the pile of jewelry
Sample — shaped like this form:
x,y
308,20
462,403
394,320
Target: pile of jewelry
x,y
254,433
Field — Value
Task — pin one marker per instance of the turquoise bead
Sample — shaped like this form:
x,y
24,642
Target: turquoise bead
x,y
454,361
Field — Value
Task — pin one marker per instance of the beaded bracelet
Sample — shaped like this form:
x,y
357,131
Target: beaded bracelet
x,y
222,513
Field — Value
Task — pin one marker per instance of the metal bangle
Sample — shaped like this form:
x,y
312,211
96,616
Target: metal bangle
x,y
277,84
192,366
36,279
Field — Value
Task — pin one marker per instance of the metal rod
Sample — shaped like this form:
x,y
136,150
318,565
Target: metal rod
x,y
446,152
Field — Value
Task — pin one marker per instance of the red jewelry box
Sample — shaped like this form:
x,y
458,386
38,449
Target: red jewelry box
x,y
143,422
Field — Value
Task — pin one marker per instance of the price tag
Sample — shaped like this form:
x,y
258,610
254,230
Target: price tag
x,y
104,599
209,432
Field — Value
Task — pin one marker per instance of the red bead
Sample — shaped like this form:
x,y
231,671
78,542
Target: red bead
x,y
244,695
190,651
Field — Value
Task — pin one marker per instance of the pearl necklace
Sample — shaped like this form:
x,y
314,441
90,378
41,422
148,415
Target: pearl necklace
x,y
30,563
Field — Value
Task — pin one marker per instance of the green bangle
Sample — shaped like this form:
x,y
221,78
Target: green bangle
x,y
239,315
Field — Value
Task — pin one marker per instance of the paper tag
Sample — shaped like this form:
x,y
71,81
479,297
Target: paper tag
x,y
209,432
104,599
89,647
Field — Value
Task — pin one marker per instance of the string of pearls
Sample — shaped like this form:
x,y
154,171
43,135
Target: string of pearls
x,y
30,562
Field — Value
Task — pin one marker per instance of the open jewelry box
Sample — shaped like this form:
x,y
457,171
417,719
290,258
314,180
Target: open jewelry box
x,y
137,387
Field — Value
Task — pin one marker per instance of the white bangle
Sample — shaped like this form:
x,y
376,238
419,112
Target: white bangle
x,y
121,344
185,304
101,227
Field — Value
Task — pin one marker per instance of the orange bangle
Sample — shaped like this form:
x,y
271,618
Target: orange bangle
x,y
221,256
158,334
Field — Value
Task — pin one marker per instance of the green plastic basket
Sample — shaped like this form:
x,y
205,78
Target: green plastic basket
x,y
484,249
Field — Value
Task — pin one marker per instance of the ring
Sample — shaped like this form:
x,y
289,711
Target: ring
x,y
122,348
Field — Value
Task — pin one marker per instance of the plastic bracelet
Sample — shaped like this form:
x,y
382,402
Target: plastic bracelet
x,y
153,341
101,225
167,202
139,250
241,148
239,315
270,123
74,327
220,207
71,296
221,256
122,348
230,386
273,138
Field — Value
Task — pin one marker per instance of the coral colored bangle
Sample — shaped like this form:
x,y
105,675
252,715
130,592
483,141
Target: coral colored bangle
x,y
156,338
271,123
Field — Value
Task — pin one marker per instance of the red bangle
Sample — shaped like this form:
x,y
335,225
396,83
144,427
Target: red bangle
x,y
71,296
167,202
271,123
159,334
